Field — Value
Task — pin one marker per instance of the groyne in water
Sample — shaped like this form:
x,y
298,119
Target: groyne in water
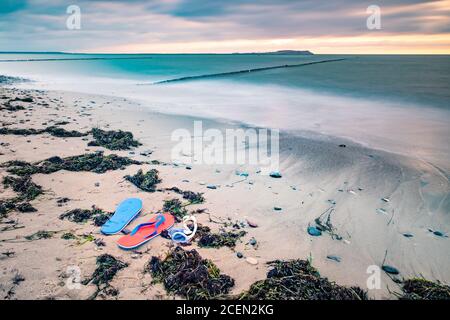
x,y
225,74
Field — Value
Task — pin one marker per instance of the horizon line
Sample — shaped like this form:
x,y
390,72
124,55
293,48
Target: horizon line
x,y
215,53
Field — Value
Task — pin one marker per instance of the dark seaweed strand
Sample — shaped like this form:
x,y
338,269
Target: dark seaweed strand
x,y
93,162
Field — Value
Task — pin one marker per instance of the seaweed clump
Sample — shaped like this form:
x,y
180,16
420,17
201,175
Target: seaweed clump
x,y
16,280
24,99
207,239
101,218
93,162
68,236
25,207
299,280
14,204
53,130
147,181
187,274
107,268
113,140
82,215
18,132
5,207
24,186
63,133
42,234
176,208
421,289
191,196
10,107
27,190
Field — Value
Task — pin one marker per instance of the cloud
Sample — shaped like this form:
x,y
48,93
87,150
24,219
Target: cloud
x,y
36,25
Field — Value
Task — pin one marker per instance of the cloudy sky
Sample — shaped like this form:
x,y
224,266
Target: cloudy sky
x,y
322,26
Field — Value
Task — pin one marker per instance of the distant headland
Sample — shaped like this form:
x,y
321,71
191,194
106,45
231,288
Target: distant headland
x,y
283,52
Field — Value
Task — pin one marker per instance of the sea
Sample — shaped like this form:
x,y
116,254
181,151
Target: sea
x,y
399,103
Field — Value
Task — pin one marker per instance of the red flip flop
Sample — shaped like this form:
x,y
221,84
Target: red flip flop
x,y
146,231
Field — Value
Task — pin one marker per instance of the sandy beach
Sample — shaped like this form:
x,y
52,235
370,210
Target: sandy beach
x,y
386,208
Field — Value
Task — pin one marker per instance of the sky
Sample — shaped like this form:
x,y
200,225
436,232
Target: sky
x,y
225,26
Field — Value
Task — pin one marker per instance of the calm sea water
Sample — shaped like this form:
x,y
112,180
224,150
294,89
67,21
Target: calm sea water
x,y
398,103
422,80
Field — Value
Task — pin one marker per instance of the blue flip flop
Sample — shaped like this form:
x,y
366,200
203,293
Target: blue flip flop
x,y
125,213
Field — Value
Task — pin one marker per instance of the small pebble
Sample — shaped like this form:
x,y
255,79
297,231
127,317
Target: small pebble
x,y
146,153
408,235
335,258
275,174
313,231
277,208
438,233
99,242
390,270
252,241
252,261
252,224
239,255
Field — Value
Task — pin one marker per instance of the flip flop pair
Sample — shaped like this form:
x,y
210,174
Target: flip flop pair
x,y
146,231
126,212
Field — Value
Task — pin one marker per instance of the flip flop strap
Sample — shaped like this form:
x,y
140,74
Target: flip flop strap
x,y
178,235
159,220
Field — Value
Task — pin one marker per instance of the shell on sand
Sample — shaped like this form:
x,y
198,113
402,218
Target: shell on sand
x,y
252,223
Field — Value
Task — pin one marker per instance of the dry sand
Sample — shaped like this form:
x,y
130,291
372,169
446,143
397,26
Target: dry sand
x,y
315,172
